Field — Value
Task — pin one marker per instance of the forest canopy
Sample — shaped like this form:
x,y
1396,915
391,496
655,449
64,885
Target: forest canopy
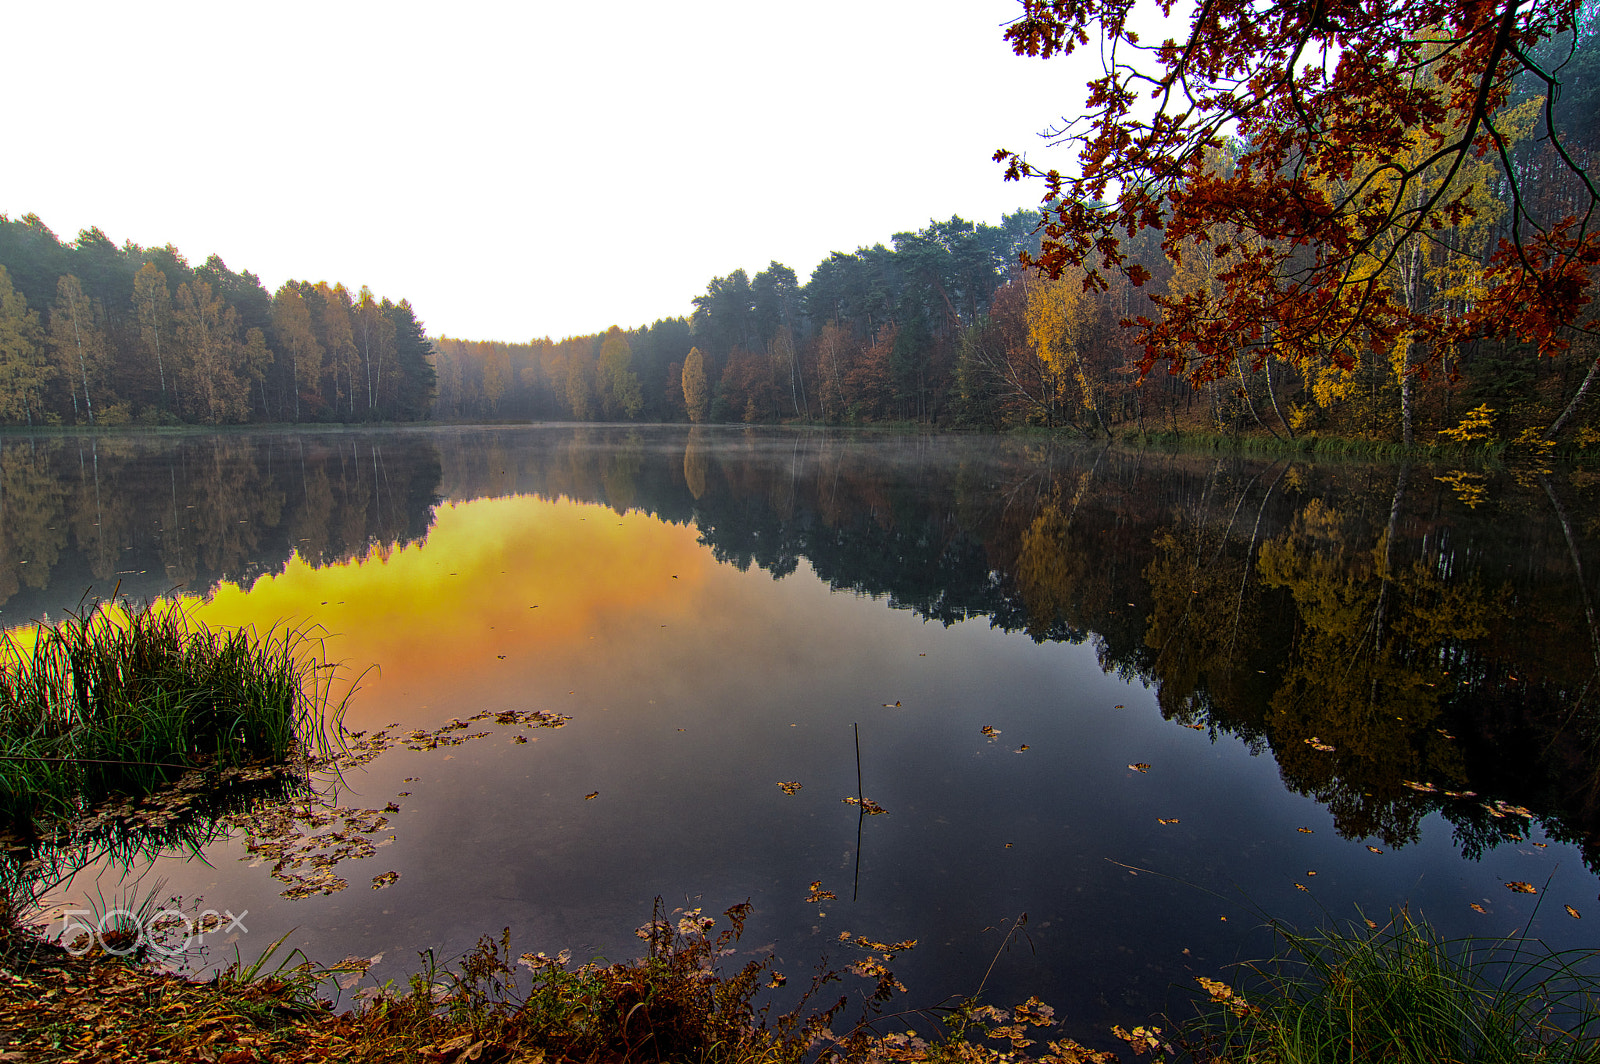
x,y
96,334
1331,181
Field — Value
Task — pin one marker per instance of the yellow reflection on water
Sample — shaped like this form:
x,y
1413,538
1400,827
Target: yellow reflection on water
x,y
501,591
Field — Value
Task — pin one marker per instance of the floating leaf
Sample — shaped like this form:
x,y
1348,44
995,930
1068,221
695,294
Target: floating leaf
x,y
1374,849
1196,727
591,796
1424,788
777,979
990,730
1572,912
1305,831
384,880
1302,886
817,894
1173,820
1311,871
789,786
1521,888
1118,707
868,806
891,705
1035,1012
1023,747
1478,908
1542,845
1142,1039
1460,794
1140,766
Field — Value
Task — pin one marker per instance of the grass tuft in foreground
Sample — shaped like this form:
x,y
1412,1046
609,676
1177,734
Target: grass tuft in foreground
x,y
1399,993
119,699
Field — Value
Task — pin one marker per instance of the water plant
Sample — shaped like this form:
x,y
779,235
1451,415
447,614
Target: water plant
x,y
118,699
1401,993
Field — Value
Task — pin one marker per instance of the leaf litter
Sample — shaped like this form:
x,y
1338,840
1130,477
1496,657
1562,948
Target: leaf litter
x,y
296,837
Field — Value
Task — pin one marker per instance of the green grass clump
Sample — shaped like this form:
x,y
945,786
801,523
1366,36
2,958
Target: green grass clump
x,y
1400,993
121,700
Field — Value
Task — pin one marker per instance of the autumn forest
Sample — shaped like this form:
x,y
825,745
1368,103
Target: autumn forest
x,y
957,325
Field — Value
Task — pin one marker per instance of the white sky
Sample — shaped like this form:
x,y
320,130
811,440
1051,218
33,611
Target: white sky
x,y
519,169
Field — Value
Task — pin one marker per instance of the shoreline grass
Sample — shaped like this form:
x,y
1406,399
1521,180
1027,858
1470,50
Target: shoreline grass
x,y
118,699
1401,993
1396,993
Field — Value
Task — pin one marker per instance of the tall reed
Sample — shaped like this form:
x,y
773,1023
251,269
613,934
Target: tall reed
x,y
121,699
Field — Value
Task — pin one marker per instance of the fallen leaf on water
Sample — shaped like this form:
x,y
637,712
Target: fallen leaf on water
x,y
789,786
1374,849
868,806
1311,871
777,979
1424,788
1542,845
1305,831
817,894
1302,886
1140,766
1118,707
1317,744
1173,820
1196,727
591,795
502,657
1460,794
1521,888
384,880
1478,908
990,730
1572,912
1142,1039
1023,747
891,705
519,739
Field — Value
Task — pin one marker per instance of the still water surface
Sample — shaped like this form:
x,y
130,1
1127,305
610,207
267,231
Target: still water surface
x,y
1142,698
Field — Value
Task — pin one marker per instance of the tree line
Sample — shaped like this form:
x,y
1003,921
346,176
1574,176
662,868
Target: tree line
x,y
96,334
1423,284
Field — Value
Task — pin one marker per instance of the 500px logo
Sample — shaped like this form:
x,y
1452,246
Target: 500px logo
x,y
123,931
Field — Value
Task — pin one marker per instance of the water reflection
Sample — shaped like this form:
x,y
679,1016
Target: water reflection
x,y
1419,669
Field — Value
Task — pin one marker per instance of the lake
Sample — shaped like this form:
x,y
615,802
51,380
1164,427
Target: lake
x,y
1151,700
